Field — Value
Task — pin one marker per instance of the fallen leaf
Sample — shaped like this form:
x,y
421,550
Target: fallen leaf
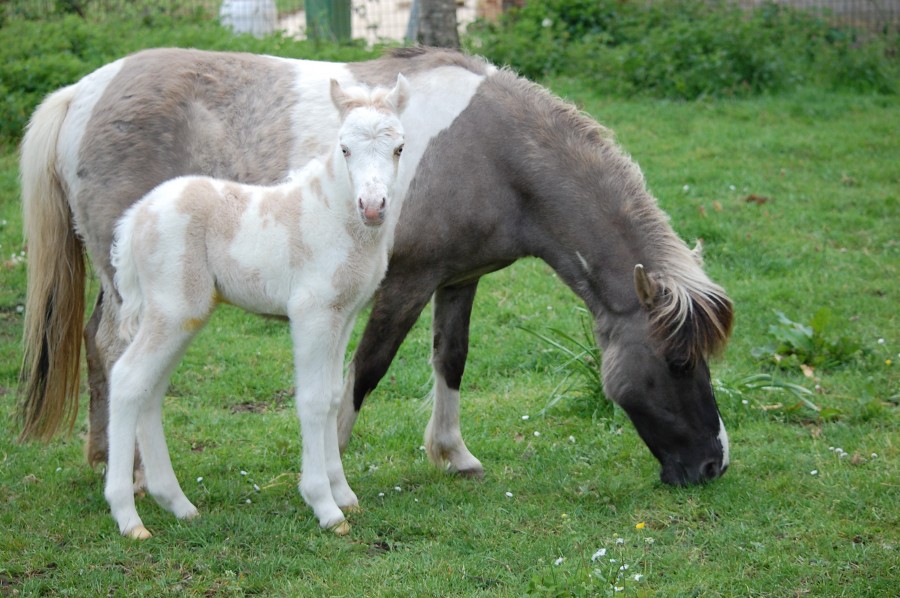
x,y
757,199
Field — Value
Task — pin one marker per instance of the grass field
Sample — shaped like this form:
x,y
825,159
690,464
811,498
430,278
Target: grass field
x,y
796,199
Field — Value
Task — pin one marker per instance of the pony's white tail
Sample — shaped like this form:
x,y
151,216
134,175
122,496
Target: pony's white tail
x,y
54,308
126,276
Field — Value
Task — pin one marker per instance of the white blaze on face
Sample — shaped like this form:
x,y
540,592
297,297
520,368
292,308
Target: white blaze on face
x,y
723,439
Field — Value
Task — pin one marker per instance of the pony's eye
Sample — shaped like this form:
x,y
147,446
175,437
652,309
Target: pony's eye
x,y
399,150
345,150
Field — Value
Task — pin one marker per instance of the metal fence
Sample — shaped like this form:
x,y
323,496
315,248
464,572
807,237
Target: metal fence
x,y
388,19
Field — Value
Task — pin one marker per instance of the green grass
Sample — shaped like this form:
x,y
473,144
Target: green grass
x,y
825,236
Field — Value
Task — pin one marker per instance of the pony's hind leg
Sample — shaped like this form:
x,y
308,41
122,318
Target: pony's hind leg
x,y
443,438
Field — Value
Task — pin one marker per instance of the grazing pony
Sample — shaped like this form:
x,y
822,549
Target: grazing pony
x,y
313,249
511,169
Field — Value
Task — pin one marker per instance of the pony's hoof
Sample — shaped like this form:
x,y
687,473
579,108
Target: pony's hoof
x,y
341,529
139,533
352,509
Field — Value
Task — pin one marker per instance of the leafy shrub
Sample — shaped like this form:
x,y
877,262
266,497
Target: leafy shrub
x,y
796,344
683,49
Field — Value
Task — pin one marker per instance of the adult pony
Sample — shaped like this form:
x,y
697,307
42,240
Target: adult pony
x,y
312,249
522,172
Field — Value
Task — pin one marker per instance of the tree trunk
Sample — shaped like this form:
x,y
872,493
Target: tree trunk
x,y
437,24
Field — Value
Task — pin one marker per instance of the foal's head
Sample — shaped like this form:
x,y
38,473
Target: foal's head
x,y
371,140
655,368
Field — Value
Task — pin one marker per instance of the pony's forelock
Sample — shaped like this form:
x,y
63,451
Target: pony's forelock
x,y
692,316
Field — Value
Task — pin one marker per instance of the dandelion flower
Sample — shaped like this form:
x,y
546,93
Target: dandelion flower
x,y
640,525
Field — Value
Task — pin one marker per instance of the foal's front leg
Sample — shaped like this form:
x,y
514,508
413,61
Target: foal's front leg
x,y
314,339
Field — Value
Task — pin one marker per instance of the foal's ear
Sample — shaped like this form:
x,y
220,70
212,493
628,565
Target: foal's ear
x,y
339,97
399,96
644,287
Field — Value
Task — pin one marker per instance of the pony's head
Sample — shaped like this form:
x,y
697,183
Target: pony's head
x,y
371,141
655,368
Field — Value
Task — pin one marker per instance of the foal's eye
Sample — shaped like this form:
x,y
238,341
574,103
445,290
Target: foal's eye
x,y
399,150
345,150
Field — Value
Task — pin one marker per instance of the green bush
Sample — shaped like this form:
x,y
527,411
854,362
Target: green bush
x,y
684,49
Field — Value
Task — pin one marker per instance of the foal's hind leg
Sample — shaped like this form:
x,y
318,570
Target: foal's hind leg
x,y
102,348
138,382
443,438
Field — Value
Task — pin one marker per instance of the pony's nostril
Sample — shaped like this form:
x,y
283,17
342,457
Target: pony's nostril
x,y
710,470
383,202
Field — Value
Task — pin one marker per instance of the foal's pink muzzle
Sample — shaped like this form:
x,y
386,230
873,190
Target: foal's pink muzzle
x,y
372,204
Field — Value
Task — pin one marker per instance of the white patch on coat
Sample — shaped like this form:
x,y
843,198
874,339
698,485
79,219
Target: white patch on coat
x,y
90,89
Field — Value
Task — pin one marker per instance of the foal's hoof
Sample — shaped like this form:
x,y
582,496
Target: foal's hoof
x,y
139,533
352,509
341,529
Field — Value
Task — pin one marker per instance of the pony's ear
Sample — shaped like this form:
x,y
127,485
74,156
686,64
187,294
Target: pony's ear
x,y
339,97
697,252
399,96
644,287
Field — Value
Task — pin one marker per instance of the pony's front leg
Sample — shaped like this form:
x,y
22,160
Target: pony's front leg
x,y
443,438
314,362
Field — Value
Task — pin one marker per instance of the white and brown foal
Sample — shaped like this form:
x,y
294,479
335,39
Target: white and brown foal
x,y
313,249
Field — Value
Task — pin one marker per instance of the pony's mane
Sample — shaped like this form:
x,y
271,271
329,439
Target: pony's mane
x,y
437,57
692,316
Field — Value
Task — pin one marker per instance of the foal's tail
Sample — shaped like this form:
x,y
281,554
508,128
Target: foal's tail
x,y
126,278
54,308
